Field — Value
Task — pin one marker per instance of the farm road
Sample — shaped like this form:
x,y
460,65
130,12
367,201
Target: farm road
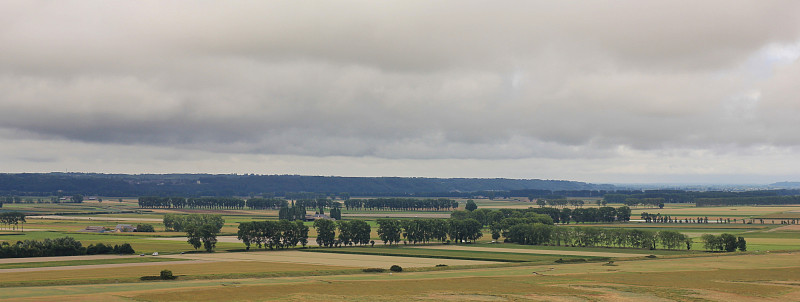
x,y
528,251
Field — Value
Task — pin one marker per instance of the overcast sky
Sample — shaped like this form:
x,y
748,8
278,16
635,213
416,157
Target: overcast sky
x,y
597,91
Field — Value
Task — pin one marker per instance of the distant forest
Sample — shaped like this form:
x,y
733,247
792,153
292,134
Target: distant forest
x,y
67,184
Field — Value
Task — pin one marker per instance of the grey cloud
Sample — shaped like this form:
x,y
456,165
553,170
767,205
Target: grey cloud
x,y
400,80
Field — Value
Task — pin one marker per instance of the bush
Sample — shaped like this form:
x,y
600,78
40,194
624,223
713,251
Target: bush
x,y
145,228
574,260
396,268
125,248
441,265
167,275
99,249
373,270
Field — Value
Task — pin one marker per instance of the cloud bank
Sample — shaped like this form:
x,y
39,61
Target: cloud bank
x,y
410,84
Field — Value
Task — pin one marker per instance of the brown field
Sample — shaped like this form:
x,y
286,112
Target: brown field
x,y
62,258
720,278
329,259
127,272
786,228
94,218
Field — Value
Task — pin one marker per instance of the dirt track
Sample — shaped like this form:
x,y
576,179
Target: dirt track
x,y
528,251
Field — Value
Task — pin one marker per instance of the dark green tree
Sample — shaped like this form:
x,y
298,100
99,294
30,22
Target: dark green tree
x,y
326,232
471,206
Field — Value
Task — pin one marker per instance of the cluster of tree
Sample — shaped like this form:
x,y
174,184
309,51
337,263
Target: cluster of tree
x,y
560,202
12,219
401,204
336,213
295,211
66,246
658,218
553,215
201,229
51,199
392,231
191,203
724,242
350,232
488,217
100,249
630,201
273,234
266,203
542,234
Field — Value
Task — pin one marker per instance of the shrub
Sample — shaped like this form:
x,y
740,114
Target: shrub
x,y
145,228
374,270
396,268
100,248
125,248
166,275
441,265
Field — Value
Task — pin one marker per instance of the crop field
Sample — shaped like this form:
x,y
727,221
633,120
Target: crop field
x,y
463,253
768,271
730,278
20,265
132,271
349,260
518,251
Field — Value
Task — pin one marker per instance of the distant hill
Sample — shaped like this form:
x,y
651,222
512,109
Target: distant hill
x,y
246,185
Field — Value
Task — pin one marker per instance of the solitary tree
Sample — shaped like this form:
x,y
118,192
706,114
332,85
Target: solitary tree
x,y
326,232
471,206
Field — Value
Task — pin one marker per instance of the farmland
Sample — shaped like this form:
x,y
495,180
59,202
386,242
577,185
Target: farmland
x,y
769,270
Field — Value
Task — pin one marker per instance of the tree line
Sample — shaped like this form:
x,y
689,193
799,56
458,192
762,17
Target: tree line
x,y
413,231
201,229
66,246
12,219
564,216
542,234
273,234
724,242
214,203
401,204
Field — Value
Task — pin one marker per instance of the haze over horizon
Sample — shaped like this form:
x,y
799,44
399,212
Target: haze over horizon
x,y
600,92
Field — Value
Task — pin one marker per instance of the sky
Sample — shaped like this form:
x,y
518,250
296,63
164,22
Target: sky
x,y
595,91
